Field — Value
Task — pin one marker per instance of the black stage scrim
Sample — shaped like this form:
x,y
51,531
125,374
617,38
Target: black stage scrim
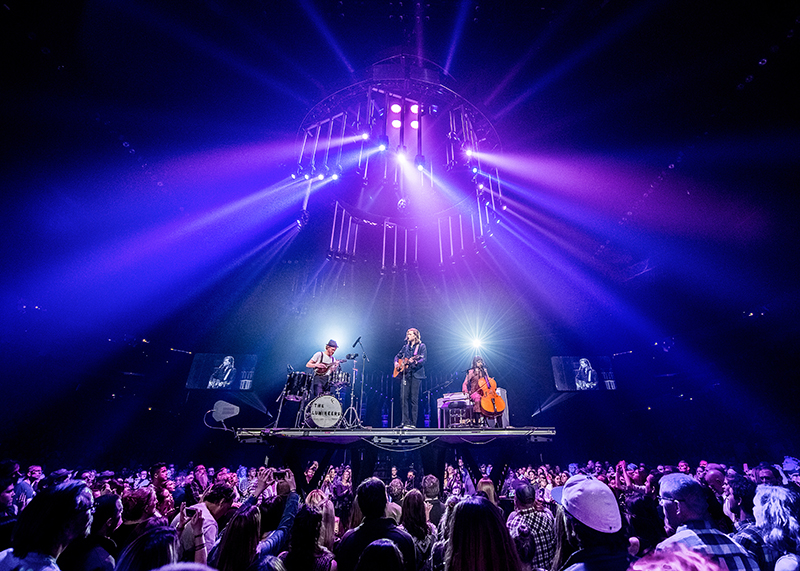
x,y
583,374
221,371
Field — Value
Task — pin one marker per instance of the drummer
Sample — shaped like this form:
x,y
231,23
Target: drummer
x,y
323,366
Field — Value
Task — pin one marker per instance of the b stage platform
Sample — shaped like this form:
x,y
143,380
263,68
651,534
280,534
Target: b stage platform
x,y
393,437
294,446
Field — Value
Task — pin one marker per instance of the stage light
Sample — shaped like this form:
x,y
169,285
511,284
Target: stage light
x,y
320,176
307,176
474,170
383,143
419,161
401,204
415,124
364,136
335,176
396,123
469,152
396,108
293,175
476,343
415,109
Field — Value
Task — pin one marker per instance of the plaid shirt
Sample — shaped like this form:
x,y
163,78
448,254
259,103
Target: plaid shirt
x,y
541,525
748,536
700,537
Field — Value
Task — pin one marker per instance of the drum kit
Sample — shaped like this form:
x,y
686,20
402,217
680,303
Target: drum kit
x,y
322,411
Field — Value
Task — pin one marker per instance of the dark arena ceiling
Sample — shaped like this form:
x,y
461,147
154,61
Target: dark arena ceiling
x,y
630,192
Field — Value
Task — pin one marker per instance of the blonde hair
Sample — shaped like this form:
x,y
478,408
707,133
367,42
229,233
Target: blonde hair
x,y
317,500
417,336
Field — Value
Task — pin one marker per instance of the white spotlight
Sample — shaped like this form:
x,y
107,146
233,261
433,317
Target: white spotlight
x,y
415,108
476,343
396,108
396,123
415,124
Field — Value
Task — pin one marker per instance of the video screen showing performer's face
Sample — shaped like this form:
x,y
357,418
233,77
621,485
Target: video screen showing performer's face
x,y
226,372
582,373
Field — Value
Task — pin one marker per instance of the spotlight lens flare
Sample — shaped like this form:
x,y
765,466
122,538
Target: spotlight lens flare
x,y
476,343
364,136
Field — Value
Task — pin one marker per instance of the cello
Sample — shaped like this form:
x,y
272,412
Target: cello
x,y
492,405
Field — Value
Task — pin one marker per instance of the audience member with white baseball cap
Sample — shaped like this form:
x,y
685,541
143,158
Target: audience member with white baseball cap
x,y
594,522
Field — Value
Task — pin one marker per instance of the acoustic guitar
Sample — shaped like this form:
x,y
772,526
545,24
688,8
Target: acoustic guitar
x,y
403,364
492,404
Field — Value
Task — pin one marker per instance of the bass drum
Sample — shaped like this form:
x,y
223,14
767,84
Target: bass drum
x,y
325,411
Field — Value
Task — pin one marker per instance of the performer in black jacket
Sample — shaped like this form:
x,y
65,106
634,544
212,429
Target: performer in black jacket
x,y
411,360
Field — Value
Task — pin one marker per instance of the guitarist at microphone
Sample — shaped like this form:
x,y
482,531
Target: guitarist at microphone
x,y
323,365
409,363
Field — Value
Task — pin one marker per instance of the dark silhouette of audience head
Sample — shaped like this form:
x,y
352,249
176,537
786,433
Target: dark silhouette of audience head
x,y
239,542
156,547
107,514
381,554
479,539
53,518
304,539
371,498
413,517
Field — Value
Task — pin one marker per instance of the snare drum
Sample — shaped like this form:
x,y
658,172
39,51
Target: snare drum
x,y
297,386
325,411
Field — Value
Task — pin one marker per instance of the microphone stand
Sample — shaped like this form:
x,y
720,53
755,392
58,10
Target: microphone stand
x,y
351,417
364,368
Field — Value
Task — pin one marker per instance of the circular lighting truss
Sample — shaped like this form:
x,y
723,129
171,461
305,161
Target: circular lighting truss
x,y
406,149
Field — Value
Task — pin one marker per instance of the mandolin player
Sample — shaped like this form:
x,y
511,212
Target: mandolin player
x,y
410,363
323,366
471,387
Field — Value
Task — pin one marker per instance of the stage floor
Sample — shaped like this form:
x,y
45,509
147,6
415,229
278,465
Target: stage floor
x,y
393,436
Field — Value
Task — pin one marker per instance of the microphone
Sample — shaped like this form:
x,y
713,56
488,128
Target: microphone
x,y
357,340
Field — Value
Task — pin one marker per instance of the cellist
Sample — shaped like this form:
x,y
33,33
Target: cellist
x,y
471,387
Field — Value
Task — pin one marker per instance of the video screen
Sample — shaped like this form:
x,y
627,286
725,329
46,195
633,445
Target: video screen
x,y
222,372
583,373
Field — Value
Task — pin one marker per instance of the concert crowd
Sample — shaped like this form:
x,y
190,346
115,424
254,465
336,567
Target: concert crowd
x,y
583,517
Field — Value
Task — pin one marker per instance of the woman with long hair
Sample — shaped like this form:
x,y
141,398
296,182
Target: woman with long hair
x,y
439,549
156,547
479,539
305,553
239,543
414,520
486,486
316,499
343,496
